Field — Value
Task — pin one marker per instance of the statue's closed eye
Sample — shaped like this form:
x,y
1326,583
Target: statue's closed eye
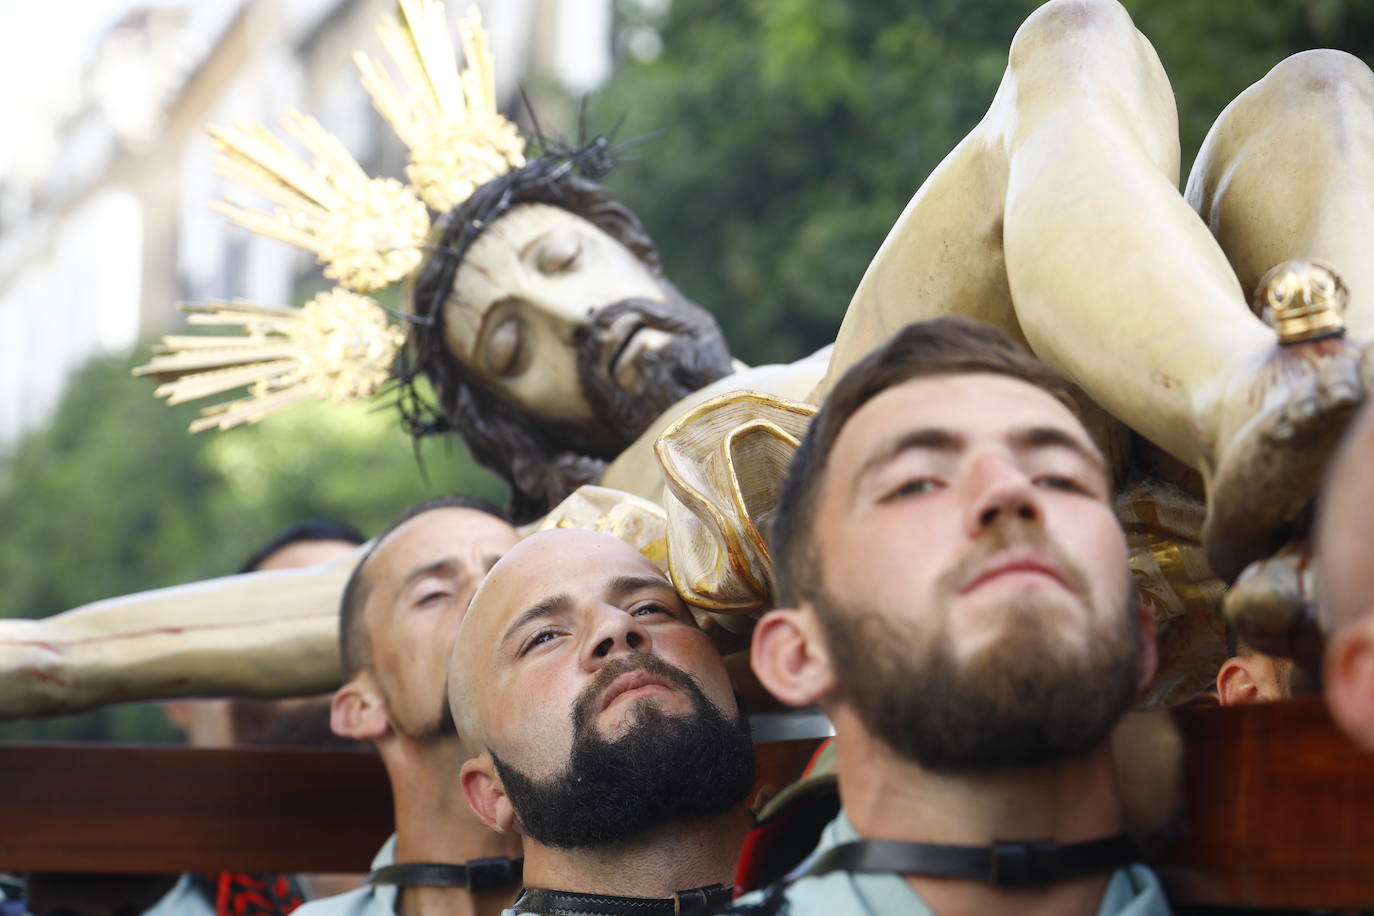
x,y
558,252
504,351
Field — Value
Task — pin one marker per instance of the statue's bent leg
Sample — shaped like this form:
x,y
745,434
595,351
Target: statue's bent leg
x,y
943,256
1115,279
1287,171
1118,282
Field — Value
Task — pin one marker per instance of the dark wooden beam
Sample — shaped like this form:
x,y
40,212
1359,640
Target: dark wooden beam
x,y
1279,811
84,808
94,808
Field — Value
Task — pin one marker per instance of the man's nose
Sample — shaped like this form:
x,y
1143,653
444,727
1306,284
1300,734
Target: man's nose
x,y
613,634
1000,491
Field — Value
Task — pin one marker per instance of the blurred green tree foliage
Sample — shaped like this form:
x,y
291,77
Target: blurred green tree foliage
x,y
791,133
114,496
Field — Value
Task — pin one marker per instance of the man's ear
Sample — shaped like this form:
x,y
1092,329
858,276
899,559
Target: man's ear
x,y
1348,680
790,658
1236,684
485,794
1149,644
358,711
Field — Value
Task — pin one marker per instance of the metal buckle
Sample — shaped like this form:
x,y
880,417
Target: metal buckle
x,y
1014,864
694,897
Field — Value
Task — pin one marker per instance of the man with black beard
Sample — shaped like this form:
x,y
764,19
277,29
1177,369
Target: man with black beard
x,y
955,593
610,737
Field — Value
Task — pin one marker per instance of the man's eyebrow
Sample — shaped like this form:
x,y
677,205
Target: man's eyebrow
x,y
931,438
550,605
445,565
1056,437
622,585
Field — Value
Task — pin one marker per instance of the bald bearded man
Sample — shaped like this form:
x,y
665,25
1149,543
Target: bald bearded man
x,y
610,736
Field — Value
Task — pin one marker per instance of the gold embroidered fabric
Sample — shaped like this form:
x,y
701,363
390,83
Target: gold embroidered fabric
x,y
1163,527
723,464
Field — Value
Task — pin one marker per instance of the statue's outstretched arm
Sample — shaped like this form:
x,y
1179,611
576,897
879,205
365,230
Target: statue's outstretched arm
x,y
261,634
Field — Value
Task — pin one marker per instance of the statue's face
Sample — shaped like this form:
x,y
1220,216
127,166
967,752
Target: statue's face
x,y
525,298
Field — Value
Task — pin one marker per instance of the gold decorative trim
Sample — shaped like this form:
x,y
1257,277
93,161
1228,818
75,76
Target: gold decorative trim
x,y
367,232
449,121
339,347
742,550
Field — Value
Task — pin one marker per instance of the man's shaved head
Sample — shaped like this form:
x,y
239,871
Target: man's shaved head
x,y
404,601
600,708
1345,527
355,645
530,568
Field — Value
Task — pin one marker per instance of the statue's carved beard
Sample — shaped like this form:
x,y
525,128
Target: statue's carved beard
x,y
1022,701
663,769
695,357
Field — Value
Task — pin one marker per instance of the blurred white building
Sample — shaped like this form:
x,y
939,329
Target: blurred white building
x,y
104,223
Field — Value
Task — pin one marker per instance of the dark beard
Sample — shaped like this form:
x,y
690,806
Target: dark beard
x,y
664,769
696,357
1019,703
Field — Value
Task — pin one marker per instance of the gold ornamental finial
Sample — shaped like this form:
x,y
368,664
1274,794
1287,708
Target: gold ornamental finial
x,y
449,121
1302,300
339,347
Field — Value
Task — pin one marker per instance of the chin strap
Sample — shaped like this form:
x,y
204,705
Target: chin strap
x,y
1003,864
571,903
476,875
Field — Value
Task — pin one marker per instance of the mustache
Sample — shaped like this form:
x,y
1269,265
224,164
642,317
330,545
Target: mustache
x,y
1014,533
663,316
588,702
695,356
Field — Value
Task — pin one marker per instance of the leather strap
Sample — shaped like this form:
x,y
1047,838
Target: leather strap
x,y
1003,864
476,875
570,903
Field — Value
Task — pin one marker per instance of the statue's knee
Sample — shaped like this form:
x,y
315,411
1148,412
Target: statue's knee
x,y
1323,75
1070,26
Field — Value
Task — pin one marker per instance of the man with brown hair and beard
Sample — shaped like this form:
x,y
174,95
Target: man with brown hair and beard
x,y
955,593
610,737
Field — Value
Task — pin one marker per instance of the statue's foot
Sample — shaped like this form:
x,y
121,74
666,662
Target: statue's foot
x,y
1268,470
1271,607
